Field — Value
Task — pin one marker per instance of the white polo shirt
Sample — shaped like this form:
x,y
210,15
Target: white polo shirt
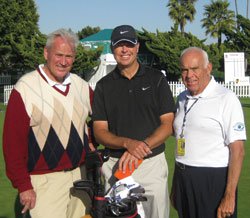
x,y
213,122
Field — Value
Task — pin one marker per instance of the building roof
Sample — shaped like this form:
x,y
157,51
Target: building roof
x,y
102,38
103,35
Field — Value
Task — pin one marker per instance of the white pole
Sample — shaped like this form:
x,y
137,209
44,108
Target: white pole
x,y
248,9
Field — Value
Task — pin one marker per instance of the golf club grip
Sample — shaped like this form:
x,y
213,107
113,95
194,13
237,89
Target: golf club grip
x,y
120,175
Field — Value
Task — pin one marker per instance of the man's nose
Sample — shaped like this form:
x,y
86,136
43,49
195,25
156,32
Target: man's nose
x,y
189,72
63,60
124,48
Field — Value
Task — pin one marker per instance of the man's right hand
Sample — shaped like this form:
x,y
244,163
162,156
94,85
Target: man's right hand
x,y
137,148
128,162
28,199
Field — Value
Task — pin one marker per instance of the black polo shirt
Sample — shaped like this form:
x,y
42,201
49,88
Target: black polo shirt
x,y
133,107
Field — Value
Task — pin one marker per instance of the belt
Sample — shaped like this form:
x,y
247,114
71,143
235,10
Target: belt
x,y
182,166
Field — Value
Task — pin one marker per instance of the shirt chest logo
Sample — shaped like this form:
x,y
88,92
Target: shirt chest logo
x,y
145,88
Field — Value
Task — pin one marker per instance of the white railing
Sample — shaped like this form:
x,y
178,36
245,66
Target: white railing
x,y
239,90
176,88
6,93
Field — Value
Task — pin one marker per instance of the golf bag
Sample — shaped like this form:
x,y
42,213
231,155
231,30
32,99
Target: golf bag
x,y
121,200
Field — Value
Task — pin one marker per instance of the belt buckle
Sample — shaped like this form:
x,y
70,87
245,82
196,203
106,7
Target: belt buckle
x,y
180,165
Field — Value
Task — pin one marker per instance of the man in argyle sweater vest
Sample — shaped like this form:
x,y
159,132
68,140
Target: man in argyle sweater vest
x,y
45,133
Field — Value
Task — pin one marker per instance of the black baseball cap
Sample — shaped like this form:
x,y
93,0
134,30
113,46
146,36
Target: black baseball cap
x,y
123,33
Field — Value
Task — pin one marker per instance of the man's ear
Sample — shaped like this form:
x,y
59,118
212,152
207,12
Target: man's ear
x,y
138,46
45,53
210,67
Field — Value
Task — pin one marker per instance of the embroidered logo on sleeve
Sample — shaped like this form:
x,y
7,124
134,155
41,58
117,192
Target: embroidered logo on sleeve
x,y
239,127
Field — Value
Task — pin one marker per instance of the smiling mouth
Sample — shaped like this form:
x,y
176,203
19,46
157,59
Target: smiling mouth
x,y
62,68
189,81
125,56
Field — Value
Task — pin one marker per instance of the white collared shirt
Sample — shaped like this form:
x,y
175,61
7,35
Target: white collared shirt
x,y
215,121
61,86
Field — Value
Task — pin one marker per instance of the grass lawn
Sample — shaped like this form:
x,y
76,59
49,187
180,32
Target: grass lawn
x,y
8,194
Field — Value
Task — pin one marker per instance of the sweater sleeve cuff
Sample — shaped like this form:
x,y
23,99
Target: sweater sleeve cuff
x,y
24,187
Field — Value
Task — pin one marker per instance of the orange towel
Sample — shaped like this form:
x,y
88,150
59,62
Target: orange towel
x,y
120,175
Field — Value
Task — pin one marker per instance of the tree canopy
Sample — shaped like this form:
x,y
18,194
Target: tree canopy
x,y
87,31
22,43
86,60
239,39
167,47
20,38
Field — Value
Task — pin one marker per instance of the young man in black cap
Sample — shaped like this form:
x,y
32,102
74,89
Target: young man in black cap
x,y
133,112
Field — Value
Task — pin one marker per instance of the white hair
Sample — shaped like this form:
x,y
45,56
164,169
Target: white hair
x,y
68,35
204,53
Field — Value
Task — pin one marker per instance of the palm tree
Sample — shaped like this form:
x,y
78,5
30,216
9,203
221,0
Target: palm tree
x,y
217,19
181,11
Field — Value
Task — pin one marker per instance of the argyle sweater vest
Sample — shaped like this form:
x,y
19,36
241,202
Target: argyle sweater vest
x,y
57,136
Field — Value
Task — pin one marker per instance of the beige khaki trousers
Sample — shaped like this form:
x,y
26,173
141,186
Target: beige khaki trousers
x,y
152,174
55,196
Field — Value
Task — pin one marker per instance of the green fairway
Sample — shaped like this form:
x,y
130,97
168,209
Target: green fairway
x,y
8,194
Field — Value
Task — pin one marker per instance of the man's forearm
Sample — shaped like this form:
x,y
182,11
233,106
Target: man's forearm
x,y
108,139
227,204
160,135
135,147
235,165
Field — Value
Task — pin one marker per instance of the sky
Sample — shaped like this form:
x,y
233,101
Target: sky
x,y
151,15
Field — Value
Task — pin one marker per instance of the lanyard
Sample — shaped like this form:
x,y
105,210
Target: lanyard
x,y
185,115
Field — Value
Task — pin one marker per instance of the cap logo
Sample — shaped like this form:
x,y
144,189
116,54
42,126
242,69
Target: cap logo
x,y
122,32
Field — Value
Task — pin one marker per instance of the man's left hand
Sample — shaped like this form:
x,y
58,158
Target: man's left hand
x,y
226,207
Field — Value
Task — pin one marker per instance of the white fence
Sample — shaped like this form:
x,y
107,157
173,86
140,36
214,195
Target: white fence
x,y
6,93
239,90
176,88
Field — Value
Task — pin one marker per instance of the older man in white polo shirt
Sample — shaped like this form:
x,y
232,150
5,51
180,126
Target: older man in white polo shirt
x,y
210,132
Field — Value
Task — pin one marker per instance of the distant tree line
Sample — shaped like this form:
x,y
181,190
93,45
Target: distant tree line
x,y
21,42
